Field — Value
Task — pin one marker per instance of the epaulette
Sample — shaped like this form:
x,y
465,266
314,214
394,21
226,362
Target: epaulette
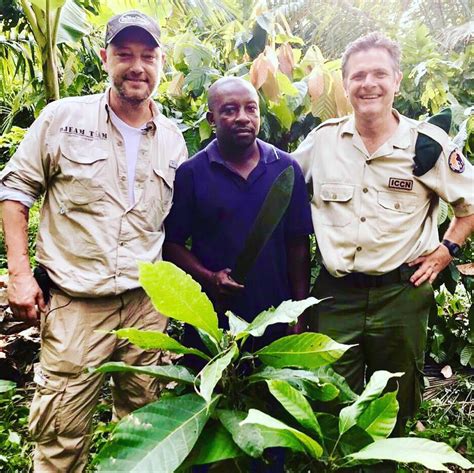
x,y
332,121
432,134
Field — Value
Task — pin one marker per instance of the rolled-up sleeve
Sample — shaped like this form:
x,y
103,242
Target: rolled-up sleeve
x,y
28,170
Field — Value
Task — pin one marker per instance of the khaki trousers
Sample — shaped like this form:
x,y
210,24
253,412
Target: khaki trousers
x,y
74,336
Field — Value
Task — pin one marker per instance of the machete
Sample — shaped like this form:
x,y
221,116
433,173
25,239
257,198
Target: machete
x,y
273,208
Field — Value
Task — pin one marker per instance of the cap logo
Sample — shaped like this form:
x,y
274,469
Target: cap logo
x,y
132,19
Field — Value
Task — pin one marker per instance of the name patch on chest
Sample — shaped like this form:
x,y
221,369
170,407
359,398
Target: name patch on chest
x,y
403,184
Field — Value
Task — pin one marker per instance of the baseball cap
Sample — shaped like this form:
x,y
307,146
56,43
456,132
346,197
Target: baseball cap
x,y
132,18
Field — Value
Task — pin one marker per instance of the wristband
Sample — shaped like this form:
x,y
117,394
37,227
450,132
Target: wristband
x,y
452,247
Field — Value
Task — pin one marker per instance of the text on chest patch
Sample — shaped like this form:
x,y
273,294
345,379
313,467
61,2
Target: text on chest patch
x,y
403,184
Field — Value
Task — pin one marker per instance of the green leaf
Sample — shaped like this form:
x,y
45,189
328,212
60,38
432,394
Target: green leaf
x,y
322,384
350,414
380,416
300,441
307,350
283,113
237,325
175,294
53,4
442,212
431,454
214,444
295,403
6,386
354,440
166,373
152,339
212,372
73,23
467,355
286,312
251,438
205,130
159,435
326,374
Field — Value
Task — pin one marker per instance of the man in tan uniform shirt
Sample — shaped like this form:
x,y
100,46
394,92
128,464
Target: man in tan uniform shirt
x,y
376,223
106,164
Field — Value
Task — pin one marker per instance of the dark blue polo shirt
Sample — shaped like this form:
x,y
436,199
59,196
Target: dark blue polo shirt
x,y
217,207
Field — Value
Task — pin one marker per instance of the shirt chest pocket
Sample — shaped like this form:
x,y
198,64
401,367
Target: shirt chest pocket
x,y
335,204
84,173
158,197
395,210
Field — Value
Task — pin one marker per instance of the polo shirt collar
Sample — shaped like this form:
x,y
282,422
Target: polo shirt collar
x,y
268,152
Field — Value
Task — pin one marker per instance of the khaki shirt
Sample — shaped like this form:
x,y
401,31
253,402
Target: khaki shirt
x,y
370,213
89,238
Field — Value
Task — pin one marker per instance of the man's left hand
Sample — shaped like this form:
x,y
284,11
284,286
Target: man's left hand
x,y
430,265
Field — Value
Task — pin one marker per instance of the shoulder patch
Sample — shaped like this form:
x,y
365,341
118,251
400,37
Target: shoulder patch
x,y
456,162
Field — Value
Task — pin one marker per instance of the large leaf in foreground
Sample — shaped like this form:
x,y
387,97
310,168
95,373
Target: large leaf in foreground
x,y
251,438
349,415
307,350
152,339
380,416
433,455
287,312
157,437
175,294
295,403
165,373
326,374
215,444
212,372
301,441
307,382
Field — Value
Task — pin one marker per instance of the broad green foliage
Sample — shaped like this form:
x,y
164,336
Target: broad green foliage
x,y
247,402
164,373
432,455
308,350
350,414
177,295
165,432
148,339
299,440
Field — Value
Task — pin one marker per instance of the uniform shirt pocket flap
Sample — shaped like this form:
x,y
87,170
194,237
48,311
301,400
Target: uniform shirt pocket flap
x,y
336,192
397,202
82,154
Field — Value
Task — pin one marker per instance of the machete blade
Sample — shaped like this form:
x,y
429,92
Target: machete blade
x,y
273,208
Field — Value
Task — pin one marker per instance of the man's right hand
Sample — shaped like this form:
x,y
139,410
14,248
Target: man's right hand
x,y
25,298
223,285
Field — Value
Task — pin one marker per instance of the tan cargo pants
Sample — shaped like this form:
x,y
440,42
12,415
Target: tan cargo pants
x,y
74,336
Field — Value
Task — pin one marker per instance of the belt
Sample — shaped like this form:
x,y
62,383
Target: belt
x,y
366,281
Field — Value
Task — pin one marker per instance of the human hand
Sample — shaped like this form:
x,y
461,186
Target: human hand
x,y
223,285
430,265
25,298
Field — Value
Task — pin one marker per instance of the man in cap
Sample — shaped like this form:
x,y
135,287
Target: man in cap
x,y
375,201
105,164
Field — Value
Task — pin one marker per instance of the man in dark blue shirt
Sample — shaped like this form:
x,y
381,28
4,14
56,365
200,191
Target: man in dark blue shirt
x,y
218,194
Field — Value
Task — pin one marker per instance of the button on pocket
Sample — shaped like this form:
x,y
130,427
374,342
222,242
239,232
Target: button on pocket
x,y
336,204
395,209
